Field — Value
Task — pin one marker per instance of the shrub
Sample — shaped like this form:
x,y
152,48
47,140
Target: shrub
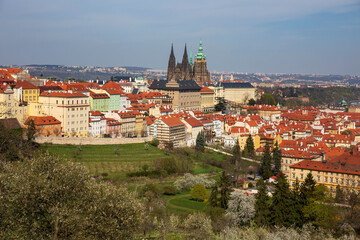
x,y
150,188
198,192
251,185
155,142
169,190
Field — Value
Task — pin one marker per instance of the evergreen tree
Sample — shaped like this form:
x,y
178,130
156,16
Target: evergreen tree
x,y
31,130
200,142
236,153
265,167
277,158
297,205
213,200
340,196
262,205
307,189
225,189
221,106
282,211
250,148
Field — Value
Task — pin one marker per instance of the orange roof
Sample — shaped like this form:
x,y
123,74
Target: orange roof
x,y
347,163
112,86
172,121
47,120
62,94
206,89
193,122
14,70
25,85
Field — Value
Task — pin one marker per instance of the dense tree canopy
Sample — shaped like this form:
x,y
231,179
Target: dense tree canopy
x,y
46,198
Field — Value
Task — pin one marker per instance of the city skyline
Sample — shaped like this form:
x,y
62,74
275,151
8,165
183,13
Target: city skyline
x,y
238,36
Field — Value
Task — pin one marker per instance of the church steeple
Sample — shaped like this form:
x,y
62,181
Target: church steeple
x,y
171,64
185,59
200,54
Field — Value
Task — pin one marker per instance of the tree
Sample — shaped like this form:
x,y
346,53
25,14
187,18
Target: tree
x,y
307,189
241,208
265,167
221,105
47,198
251,102
214,199
236,153
189,181
198,226
31,130
225,190
277,158
339,196
198,192
267,99
200,142
281,210
262,204
249,147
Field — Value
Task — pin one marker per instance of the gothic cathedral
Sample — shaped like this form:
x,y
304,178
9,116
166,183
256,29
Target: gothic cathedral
x,y
187,70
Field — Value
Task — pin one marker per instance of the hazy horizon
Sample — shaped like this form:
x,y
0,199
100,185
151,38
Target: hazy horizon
x,y
278,36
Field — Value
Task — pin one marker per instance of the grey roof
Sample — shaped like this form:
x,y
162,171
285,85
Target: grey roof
x,y
237,85
183,85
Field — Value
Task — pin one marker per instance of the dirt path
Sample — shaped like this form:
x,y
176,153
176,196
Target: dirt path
x,y
229,154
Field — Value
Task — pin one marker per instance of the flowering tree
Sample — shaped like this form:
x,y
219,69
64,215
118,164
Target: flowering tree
x,y
241,208
189,181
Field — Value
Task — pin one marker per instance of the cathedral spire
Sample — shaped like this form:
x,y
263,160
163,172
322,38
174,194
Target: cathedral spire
x,y
185,59
171,65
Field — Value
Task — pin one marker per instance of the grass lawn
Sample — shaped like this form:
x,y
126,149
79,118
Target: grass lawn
x,y
186,202
115,160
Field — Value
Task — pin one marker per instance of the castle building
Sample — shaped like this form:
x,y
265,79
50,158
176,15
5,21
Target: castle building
x,y
180,85
187,70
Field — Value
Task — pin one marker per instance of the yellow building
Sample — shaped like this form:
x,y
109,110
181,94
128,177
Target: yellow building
x,y
243,138
71,109
9,106
237,92
343,171
207,99
28,92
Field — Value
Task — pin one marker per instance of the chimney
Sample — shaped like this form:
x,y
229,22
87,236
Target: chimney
x,y
323,157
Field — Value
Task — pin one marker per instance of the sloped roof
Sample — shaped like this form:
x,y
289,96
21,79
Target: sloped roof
x,y
172,121
46,120
183,85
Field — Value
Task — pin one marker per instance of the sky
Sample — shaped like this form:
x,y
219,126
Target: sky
x,y
270,36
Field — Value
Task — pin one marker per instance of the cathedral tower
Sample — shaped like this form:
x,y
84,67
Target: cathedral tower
x,y
171,64
201,74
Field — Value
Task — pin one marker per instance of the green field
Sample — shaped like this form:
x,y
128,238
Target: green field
x,y
112,159
186,203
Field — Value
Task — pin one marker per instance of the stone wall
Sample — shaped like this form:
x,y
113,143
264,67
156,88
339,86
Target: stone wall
x,y
91,141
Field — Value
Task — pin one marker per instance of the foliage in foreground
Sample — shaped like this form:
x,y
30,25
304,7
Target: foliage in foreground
x,y
45,198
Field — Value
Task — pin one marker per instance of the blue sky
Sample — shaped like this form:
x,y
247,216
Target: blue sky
x,y
273,36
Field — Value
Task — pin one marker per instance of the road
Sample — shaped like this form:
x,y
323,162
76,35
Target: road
x,y
229,154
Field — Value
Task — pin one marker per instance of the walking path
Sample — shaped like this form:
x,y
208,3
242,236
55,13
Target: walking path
x,y
229,154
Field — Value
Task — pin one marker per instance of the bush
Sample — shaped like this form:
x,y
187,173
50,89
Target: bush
x,y
155,142
150,188
198,192
189,181
251,185
169,190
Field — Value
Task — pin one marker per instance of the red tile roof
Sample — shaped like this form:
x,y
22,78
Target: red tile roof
x,y
25,85
193,122
172,121
47,120
63,94
98,95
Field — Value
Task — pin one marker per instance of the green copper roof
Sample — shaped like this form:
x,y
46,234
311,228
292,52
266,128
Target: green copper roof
x,y
191,59
200,54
